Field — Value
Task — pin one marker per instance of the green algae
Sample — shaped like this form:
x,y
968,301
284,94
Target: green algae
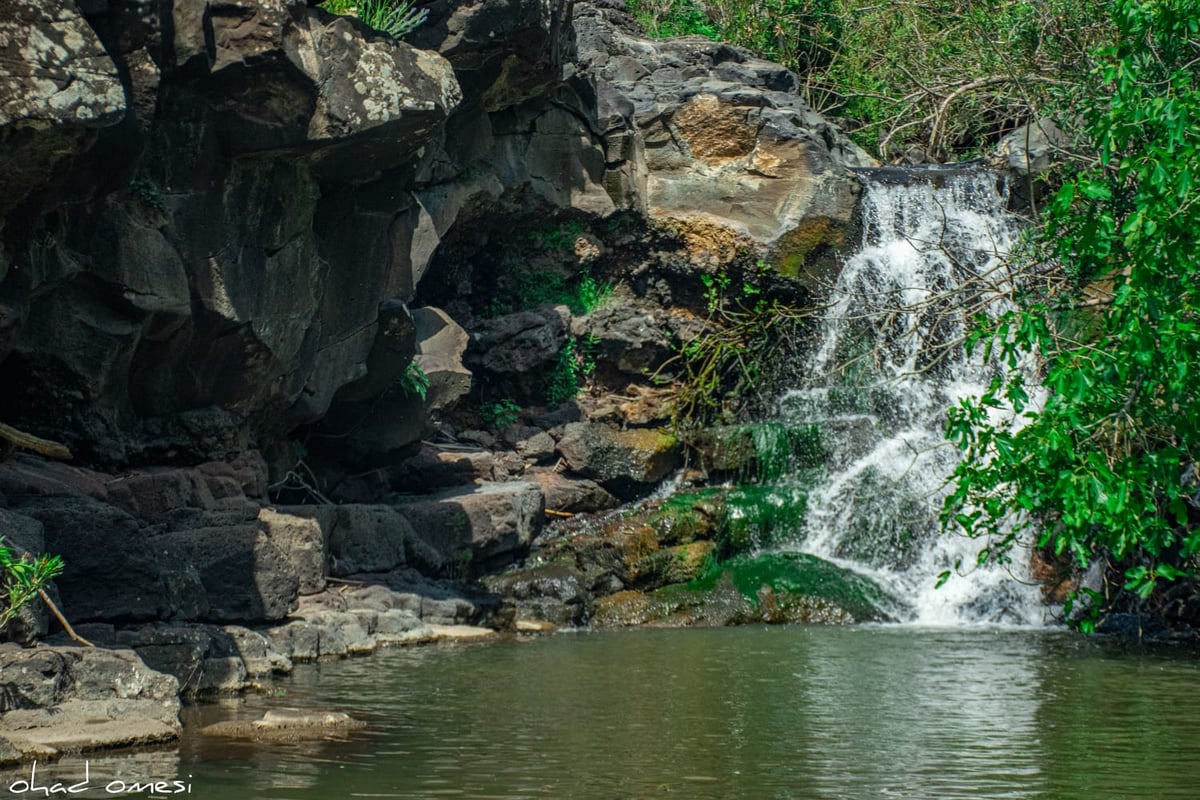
x,y
788,585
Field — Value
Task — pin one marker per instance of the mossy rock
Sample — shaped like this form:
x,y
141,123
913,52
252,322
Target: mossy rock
x,y
797,587
679,564
761,452
685,518
762,517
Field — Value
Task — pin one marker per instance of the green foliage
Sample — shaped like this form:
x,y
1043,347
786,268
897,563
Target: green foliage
x,y
414,381
558,237
674,18
396,18
148,192
1107,468
529,288
590,295
499,414
730,369
943,76
21,577
574,365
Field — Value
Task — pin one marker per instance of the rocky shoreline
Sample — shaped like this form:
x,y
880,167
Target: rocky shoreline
x,y
358,342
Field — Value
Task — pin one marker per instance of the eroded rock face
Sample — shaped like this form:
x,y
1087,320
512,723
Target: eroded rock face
x,y
57,86
236,282
716,143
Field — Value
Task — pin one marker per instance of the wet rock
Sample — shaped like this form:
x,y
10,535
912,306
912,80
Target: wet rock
x,y
619,459
555,592
678,564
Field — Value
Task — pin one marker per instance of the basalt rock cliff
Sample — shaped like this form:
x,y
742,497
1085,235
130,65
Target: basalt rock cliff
x,y
267,273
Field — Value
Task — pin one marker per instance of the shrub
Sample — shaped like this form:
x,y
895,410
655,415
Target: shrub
x,y
1106,468
22,577
500,414
396,18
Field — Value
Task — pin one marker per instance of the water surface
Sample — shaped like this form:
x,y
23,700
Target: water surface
x,y
784,712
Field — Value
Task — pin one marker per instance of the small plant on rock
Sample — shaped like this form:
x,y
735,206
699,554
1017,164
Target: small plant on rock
x,y
22,577
414,381
396,18
499,414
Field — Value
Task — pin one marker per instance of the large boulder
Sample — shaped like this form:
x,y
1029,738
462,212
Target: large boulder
x,y
717,145
465,531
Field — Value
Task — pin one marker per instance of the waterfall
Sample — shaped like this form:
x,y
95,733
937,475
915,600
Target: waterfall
x,y
888,365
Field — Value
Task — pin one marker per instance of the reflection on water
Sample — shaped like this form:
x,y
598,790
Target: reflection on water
x,y
733,713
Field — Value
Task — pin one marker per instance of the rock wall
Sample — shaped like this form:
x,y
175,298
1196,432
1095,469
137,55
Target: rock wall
x,y
217,214
232,227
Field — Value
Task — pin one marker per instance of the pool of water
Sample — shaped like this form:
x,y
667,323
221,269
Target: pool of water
x,y
781,712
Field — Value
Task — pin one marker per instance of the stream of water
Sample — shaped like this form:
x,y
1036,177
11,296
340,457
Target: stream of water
x,y
781,712
889,363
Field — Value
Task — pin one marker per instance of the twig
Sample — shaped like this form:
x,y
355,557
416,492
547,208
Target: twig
x,y
28,441
62,620
552,513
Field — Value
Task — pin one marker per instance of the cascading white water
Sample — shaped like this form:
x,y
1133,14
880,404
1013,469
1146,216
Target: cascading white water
x,y
888,366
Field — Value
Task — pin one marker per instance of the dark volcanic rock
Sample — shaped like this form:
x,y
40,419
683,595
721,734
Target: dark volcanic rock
x,y
118,569
245,576
212,294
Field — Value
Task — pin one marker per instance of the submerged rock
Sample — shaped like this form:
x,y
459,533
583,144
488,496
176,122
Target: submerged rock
x,y
287,725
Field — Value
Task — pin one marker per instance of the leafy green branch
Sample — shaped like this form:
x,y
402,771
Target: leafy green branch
x,y
22,578
1105,470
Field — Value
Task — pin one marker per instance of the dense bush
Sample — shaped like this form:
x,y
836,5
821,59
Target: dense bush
x,y
936,79
1106,468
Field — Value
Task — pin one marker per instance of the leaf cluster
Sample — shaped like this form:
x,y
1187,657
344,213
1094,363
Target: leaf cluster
x,y
396,18
1106,467
22,577
732,368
